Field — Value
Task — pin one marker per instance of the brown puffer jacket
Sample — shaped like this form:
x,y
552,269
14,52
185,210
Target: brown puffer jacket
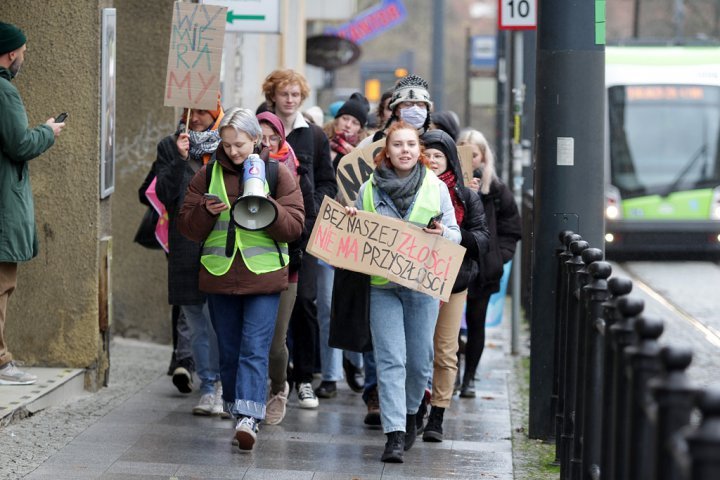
x,y
196,223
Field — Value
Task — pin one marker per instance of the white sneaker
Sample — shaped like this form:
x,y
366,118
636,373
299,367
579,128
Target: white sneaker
x,y
246,433
205,405
306,396
277,406
11,375
218,404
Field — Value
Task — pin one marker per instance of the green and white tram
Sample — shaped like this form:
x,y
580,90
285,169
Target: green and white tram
x,y
663,152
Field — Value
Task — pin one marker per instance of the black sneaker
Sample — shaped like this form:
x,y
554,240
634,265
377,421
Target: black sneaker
x,y
422,411
433,430
467,390
182,375
410,432
326,390
354,376
394,447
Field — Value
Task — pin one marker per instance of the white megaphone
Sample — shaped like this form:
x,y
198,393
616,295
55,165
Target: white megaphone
x,y
253,211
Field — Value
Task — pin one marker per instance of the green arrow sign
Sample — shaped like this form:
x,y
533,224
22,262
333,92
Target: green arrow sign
x,y
231,17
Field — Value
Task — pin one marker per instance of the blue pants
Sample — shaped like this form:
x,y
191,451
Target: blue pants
x,y
244,325
402,323
204,346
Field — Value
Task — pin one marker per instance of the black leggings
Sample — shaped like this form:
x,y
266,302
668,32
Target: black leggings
x,y
475,319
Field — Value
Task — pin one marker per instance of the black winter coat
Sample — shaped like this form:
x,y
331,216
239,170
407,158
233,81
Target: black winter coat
x,y
317,176
503,220
474,228
173,176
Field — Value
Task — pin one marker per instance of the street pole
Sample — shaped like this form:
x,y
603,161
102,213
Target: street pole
x,y
569,172
468,73
517,154
437,82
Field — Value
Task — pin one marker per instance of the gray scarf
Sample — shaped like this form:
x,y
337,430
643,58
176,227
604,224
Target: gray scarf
x,y
401,190
201,142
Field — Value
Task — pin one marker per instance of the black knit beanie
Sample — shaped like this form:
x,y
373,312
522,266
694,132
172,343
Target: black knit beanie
x,y
356,106
11,38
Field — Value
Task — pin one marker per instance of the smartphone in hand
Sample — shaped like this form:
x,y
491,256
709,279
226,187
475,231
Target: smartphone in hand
x,y
436,218
61,118
213,197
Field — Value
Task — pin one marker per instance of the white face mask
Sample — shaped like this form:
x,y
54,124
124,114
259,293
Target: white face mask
x,y
414,115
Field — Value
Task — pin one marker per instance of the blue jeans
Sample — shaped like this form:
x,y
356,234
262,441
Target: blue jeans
x,y
204,346
370,374
402,322
244,325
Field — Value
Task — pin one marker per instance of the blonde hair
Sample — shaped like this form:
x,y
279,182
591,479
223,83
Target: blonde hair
x,y
241,120
474,137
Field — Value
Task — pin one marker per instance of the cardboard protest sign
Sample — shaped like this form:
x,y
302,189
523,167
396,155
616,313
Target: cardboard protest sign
x,y
355,168
196,44
465,154
377,245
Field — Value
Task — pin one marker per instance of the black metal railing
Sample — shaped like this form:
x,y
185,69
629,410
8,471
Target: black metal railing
x,y
622,401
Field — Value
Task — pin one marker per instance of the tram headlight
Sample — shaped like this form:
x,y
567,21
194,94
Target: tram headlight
x,y
612,203
715,204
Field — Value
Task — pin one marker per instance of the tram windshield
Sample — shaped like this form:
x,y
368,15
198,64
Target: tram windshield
x,y
663,138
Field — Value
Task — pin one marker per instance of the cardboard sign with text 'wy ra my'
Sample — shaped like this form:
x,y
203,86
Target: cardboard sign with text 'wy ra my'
x,y
196,45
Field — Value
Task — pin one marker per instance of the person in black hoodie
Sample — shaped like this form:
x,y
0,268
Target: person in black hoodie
x,y
470,215
285,91
503,221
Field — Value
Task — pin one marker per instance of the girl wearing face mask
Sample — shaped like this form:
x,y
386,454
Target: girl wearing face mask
x,y
402,321
410,103
243,288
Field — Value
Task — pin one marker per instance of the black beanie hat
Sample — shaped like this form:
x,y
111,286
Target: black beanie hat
x,y
356,106
11,38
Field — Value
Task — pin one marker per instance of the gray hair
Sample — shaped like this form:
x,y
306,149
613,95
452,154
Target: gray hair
x,y
241,120
474,137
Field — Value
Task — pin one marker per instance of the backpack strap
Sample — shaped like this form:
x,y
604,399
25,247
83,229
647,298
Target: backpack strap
x,y
271,175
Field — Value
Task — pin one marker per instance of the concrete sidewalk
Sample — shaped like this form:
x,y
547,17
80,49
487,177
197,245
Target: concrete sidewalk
x,y
141,427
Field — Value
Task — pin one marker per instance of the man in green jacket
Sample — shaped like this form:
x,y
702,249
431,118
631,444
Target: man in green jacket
x,y
18,145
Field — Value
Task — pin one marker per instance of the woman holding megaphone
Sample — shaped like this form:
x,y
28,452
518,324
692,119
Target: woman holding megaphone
x,y
244,259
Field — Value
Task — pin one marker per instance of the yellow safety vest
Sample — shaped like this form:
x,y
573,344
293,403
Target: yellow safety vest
x,y
260,253
426,206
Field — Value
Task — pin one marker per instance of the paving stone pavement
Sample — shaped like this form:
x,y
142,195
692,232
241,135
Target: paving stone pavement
x,y
151,434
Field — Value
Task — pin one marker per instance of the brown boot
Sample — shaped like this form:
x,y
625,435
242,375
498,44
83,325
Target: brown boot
x,y
373,408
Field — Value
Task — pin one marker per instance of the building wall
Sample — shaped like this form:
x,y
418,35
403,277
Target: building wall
x,y
139,279
53,314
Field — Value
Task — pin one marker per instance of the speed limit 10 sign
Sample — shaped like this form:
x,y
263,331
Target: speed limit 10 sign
x,y
517,14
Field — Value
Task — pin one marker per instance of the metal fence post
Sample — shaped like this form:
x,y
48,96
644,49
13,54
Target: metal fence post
x,y
618,287
563,285
589,256
704,442
570,370
623,333
596,293
643,365
675,398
